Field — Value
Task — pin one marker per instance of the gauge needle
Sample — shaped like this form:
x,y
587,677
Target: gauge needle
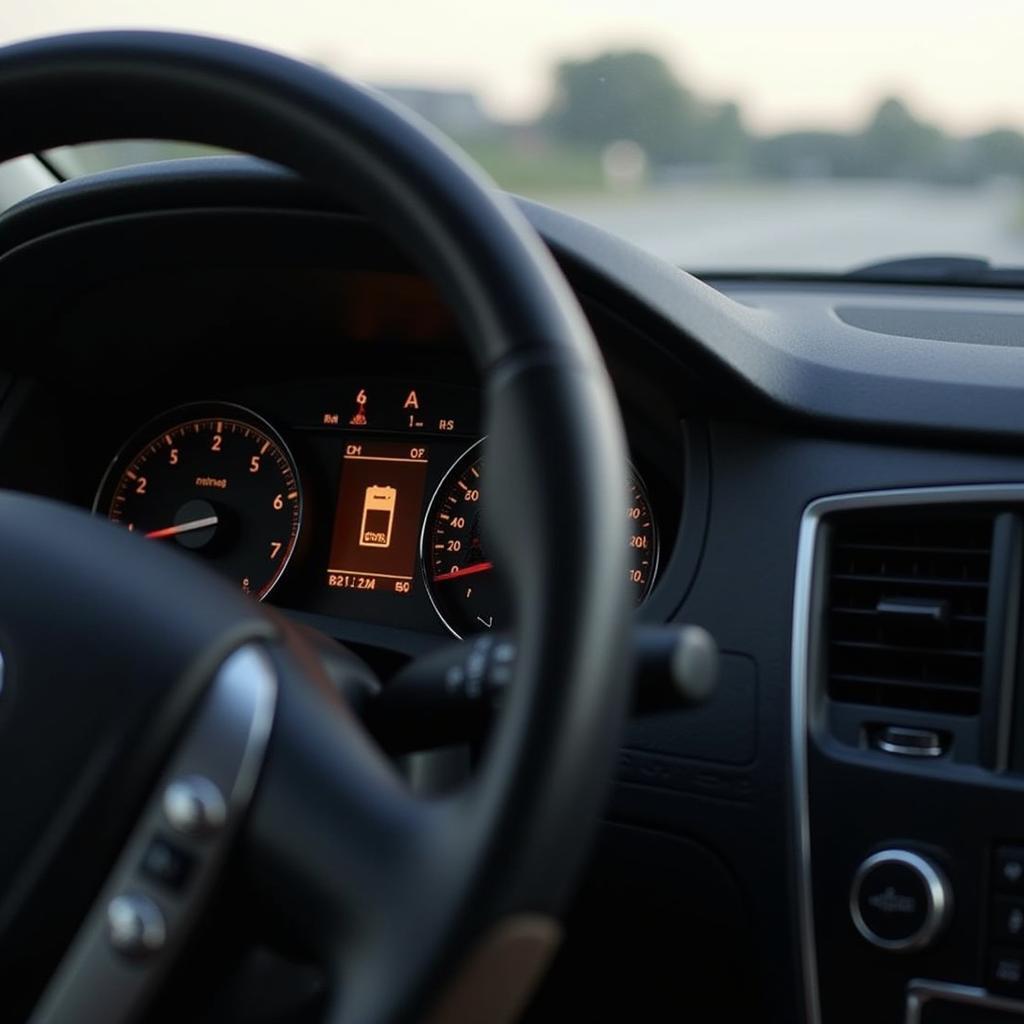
x,y
173,531
468,571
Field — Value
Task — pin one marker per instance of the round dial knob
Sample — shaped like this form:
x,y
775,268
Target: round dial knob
x,y
900,901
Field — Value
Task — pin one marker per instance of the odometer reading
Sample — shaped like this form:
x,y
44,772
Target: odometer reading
x,y
459,575
216,481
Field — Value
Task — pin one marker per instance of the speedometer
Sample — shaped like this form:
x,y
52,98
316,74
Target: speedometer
x,y
460,577
214,480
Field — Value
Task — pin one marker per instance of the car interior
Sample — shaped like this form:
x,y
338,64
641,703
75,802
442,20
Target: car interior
x,y
421,604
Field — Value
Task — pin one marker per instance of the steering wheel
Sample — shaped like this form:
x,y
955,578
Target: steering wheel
x,y
157,728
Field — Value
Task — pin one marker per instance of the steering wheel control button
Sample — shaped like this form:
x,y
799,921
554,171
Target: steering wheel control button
x,y
194,806
900,901
1008,921
136,926
167,864
1006,972
1008,873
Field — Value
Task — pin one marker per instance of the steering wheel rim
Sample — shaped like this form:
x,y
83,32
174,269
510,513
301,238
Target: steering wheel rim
x,y
508,845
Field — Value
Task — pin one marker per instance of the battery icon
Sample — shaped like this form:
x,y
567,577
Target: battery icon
x,y
378,516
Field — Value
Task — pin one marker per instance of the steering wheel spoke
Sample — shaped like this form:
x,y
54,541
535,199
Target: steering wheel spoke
x,y
344,853
332,816
172,859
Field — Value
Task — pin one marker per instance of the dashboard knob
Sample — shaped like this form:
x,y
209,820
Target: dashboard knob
x,y
900,901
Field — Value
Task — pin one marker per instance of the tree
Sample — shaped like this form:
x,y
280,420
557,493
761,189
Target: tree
x,y
723,135
626,94
807,154
1000,151
633,95
897,143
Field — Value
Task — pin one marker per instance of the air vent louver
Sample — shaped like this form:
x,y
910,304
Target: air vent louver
x,y
906,610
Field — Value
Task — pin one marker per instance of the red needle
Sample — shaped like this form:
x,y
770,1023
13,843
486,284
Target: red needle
x,y
173,531
468,571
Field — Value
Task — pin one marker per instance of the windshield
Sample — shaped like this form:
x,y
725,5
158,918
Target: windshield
x,y
739,136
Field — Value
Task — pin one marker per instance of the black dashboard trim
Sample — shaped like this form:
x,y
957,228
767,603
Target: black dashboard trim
x,y
810,364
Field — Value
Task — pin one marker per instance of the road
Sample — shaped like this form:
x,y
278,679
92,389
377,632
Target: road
x,y
823,226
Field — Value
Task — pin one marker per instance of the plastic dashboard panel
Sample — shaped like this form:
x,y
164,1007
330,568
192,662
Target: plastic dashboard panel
x,y
800,357
790,404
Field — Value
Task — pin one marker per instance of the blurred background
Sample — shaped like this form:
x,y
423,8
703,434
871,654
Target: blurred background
x,y
771,137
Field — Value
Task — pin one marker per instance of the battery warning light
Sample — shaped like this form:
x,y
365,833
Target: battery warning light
x,y
378,517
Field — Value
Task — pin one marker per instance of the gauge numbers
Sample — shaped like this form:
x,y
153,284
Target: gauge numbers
x,y
461,578
213,480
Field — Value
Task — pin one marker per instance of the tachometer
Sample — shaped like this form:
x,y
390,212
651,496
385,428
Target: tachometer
x,y
460,576
215,480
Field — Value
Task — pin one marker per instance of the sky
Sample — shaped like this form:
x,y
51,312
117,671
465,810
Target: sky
x,y
789,63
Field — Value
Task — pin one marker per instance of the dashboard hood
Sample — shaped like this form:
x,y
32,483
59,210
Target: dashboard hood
x,y
875,356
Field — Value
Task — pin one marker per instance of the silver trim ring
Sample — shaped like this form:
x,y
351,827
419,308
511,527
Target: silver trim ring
x,y
427,519
937,891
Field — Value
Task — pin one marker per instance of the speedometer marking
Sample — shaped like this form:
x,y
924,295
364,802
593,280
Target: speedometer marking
x,y
452,547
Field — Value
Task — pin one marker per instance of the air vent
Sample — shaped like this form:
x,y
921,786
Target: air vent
x,y
906,610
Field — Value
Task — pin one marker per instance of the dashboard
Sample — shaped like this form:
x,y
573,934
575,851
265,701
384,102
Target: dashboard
x,y
827,476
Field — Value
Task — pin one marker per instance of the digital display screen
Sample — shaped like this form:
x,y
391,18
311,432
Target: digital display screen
x,y
375,540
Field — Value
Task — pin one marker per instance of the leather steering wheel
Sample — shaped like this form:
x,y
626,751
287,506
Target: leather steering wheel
x,y
142,698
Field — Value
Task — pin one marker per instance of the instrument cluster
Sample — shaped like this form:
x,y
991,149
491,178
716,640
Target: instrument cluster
x,y
354,498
